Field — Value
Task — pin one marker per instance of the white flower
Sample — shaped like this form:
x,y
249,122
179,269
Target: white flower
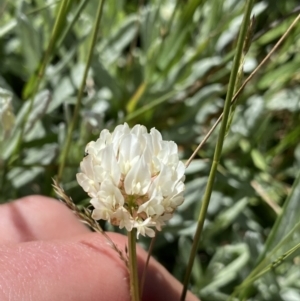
x,y
142,227
135,178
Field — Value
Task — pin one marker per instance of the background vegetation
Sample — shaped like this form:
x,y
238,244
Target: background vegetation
x,y
166,64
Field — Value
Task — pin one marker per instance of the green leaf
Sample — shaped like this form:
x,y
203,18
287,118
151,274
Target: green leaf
x,y
259,160
226,264
226,218
286,221
31,42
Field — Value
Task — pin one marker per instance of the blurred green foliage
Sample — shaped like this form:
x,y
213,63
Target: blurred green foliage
x,y
166,64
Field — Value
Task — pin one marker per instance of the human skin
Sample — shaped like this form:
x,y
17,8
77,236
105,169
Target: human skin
x,y
47,254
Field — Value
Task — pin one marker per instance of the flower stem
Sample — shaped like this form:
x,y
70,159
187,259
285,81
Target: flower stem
x,y
219,145
133,270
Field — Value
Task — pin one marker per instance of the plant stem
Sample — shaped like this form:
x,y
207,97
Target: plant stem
x,y
241,88
80,8
40,73
80,92
150,105
219,145
133,269
147,263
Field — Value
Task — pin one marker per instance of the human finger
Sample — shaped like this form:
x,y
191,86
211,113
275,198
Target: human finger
x,y
37,218
78,269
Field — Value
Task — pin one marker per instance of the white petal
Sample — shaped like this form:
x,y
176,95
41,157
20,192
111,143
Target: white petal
x,y
87,167
177,201
156,141
130,151
118,135
161,220
169,153
152,207
131,147
110,164
101,211
163,182
139,130
124,218
87,184
100,173
138,179
109,193
142,228
180,170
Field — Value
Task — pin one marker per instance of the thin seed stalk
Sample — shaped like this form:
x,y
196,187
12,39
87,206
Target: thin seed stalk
x,y
147,263
219,145
133,269
80,92
249,281
241,88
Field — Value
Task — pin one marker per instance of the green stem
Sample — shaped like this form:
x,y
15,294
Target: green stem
x,y
80,8
150,250
39,9
80,93
133,269
150,105
40,74
219,145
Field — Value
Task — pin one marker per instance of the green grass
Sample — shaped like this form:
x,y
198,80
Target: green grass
x,y
166,64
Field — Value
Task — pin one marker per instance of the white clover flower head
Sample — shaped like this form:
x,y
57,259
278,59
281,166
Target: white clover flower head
x,y
134,178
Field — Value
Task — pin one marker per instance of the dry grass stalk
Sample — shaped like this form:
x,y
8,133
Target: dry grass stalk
x,y
86,218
